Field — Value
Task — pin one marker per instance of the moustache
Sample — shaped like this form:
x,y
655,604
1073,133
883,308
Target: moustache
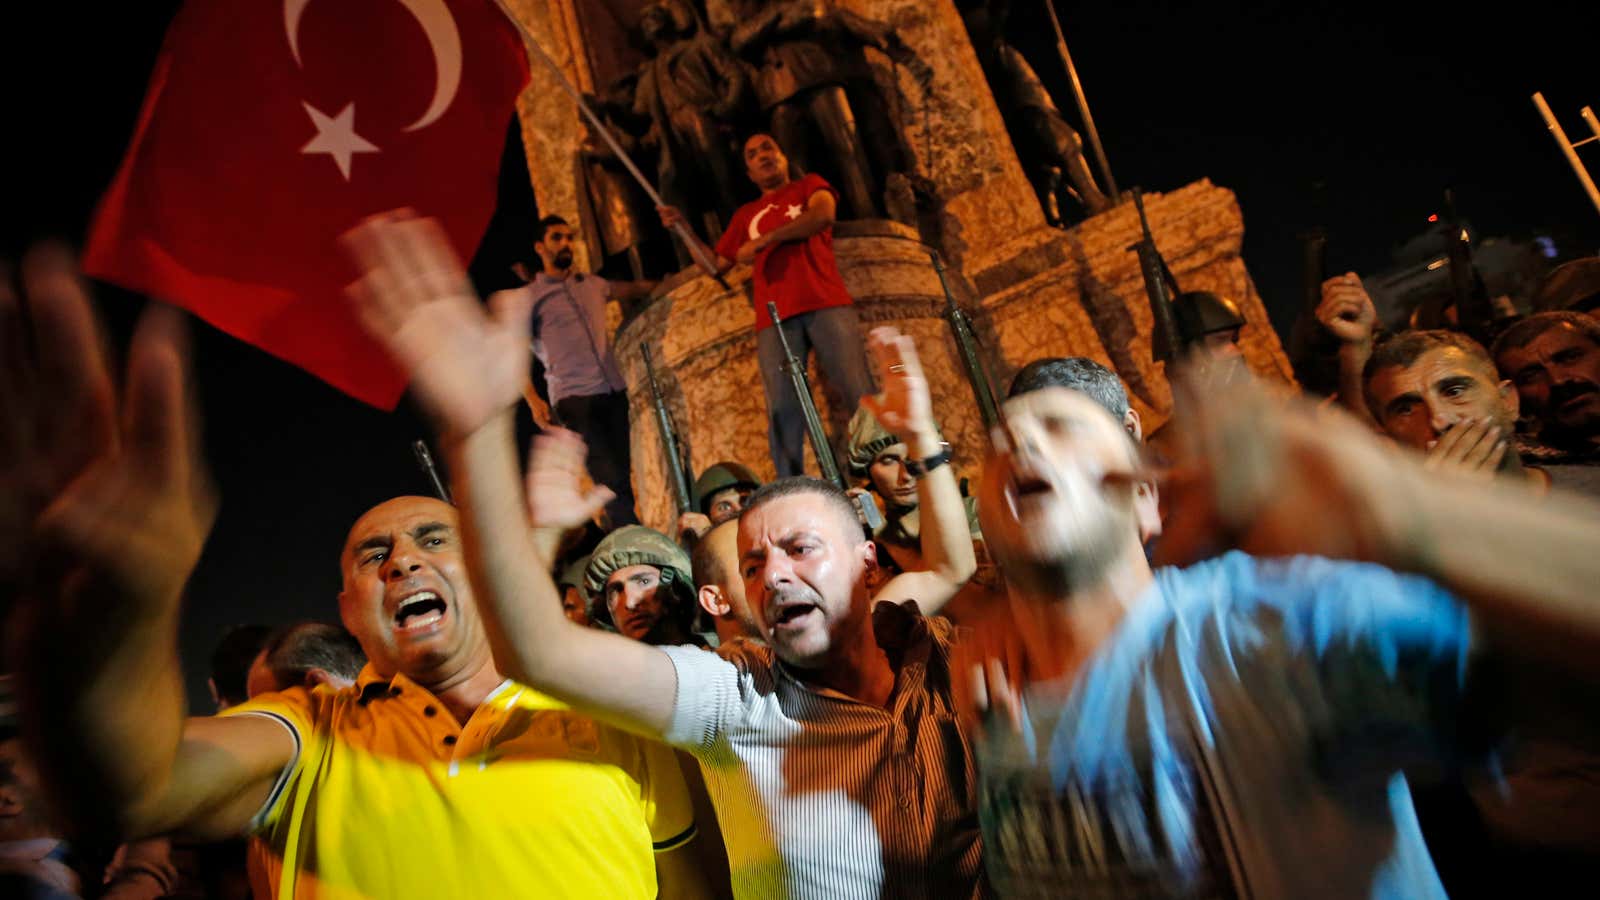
x,y
797,593
1567,391
564,259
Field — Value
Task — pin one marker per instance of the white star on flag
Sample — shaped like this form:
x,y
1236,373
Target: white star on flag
x,y
337,137
793,211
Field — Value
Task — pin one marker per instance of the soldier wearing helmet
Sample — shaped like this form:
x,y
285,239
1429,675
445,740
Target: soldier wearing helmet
x,y
1209,325
719,495
878,458
639,583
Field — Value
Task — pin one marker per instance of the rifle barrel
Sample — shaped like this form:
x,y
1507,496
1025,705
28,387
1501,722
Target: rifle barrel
x,y
966,343
1165,342
669,438
425,463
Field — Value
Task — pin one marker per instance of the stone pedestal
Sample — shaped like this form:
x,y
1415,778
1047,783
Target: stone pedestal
x,y
1077,293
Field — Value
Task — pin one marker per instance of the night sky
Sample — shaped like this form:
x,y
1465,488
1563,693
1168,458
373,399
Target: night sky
x,y
1385,108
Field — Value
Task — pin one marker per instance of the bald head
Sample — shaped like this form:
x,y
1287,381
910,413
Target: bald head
x,y
408,507
406,595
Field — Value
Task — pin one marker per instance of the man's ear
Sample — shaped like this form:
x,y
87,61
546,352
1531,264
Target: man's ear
x,y
712,601
869,554
1147,510
1134,425
1508,393
315,677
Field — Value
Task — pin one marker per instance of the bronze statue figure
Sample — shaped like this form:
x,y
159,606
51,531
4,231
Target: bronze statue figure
x,y
811,70
1049,149
617,215
691,90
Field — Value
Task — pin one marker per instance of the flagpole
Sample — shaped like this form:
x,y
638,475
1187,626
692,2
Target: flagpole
x,y
1083,106
700,253
1569,148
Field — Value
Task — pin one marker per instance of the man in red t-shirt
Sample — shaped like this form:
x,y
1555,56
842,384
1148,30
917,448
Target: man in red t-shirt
x,y
786,237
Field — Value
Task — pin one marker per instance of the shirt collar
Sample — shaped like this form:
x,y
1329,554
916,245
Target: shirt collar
x,y
543,279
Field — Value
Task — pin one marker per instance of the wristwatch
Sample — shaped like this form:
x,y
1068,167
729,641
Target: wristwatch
x,y
921,467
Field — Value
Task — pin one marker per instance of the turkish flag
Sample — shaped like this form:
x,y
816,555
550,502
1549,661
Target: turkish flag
x,y
269,129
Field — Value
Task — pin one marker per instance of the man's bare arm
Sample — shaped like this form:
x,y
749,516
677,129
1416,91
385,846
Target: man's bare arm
x,y
672,217
1326,485
467,371
628,683
1346,311
904,409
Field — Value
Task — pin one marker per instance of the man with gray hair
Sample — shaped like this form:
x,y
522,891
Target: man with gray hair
x,y
1082,374
306,654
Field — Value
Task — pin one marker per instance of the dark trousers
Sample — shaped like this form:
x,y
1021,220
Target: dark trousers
x,y
835,334
602,420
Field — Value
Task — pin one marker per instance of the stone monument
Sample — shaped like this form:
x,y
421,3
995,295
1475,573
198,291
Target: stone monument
x,y
1031,290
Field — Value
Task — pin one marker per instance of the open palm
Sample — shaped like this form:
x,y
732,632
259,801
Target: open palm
x,y
466,366
903,408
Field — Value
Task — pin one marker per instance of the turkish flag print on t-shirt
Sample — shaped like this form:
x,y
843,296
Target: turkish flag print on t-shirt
x,y
800,276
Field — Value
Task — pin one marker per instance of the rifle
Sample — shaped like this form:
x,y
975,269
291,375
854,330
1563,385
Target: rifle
x,y
1473,311
669,438
425,463
966,343
1313,268
1159,285
819,437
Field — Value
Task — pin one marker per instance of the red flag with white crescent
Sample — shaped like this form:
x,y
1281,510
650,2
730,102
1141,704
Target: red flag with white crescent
x,y
271,128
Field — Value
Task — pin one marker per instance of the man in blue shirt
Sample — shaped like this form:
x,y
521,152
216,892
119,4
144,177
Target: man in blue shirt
x,y
1244,727
584,384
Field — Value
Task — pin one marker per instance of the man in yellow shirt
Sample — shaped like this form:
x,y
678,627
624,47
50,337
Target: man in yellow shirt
x,y
433,776
504,787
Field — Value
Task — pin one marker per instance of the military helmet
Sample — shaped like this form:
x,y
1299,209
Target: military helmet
x,y
636,545
720,476
868,438
572,576
1199,313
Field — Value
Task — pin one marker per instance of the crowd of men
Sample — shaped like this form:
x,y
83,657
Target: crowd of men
x,y
1261,653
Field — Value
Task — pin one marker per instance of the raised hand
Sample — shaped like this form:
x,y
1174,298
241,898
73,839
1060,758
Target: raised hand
x,y
903,408
557,498
102,483
1346,309
466,366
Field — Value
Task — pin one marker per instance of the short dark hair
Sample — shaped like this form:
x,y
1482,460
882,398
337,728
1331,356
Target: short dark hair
x,y
544,226
1405,348
751,135
1526,330
294,650
1076,373
231,660
801,484
707,567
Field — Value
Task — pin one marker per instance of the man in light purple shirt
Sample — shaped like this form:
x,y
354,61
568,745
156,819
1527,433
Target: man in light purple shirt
x,y
584,384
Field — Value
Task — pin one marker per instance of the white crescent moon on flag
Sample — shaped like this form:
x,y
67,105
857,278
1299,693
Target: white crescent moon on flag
x,y
443,38
757,220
